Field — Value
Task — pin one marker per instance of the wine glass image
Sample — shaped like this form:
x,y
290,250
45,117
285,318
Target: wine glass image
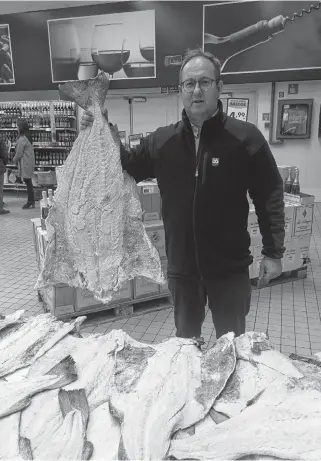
x,y
65,51
107,49
147,49
141,63
87,68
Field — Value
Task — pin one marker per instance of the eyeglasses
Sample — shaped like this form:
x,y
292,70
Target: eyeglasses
x,y
190,84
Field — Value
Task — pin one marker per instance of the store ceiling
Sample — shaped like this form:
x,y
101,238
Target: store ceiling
x,y
10,7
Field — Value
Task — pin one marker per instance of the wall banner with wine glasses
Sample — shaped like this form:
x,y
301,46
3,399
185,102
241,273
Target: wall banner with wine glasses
x,y
122,44
6,61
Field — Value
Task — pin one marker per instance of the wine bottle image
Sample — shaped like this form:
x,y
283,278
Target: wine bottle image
x,y
227,47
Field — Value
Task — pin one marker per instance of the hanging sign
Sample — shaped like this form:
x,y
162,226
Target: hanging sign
x,y
238,108
134,139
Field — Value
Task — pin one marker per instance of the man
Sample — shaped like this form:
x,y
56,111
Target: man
x,y
205,164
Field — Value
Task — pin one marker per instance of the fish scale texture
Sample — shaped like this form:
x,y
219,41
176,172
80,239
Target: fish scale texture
x,y
96,238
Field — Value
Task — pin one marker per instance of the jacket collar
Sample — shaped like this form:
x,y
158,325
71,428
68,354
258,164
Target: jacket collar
x,y
214,123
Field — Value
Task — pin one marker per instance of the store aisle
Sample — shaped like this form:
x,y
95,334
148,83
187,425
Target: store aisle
x,y
290,312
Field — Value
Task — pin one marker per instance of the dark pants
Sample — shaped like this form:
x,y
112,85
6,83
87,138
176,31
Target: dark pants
x,y
229,299
31,196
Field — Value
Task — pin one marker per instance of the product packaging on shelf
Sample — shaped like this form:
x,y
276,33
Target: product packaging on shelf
x,y
251,266
257,258
291,260
303,248
303,220
144,289
156,233
164,288
253,227
149,197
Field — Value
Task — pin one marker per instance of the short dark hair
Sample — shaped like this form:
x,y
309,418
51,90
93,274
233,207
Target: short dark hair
x,y
198,52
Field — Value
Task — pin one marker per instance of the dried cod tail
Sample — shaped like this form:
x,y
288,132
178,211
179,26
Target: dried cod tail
x,y
77,400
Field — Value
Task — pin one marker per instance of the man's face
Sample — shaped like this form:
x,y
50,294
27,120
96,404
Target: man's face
x,y
200,103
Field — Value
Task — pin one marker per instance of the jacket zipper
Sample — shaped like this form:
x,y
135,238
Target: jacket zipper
x,y
194,233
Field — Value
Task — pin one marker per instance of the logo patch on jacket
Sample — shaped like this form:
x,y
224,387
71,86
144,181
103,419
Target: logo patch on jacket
x,y
215,161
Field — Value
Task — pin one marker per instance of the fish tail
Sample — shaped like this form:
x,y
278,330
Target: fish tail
x,y
74,400
25,448
77,400
87,450
65,370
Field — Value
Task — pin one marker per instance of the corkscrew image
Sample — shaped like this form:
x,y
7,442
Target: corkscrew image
x,y
227,47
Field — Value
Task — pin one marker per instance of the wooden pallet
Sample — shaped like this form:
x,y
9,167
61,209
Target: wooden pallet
x,y
130,308
139,307
285,277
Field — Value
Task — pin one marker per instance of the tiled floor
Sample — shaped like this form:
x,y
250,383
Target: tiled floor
x,y
290,312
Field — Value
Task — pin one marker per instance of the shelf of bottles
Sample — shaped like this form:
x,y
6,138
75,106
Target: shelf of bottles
x,y
52,125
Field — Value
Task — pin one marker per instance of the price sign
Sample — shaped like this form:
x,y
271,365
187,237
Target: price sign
x,y
238,108
134,139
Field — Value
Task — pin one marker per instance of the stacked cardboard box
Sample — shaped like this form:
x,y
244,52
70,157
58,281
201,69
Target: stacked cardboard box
x,y
156,233
150,200
298,230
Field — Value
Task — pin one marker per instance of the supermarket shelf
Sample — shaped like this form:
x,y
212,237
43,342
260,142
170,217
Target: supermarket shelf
x,y
47,166
36,166
49,147
67,116
31,129
66,129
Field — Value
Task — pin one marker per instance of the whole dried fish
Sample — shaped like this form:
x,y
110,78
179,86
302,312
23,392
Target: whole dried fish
x,y
96,238
14,396
24,344
284,423
250,377
176,390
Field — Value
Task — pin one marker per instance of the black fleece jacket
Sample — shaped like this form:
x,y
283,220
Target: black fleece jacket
x,y
204,196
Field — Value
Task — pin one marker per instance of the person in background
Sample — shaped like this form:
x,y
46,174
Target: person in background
x,y
25,159
205,165
3,163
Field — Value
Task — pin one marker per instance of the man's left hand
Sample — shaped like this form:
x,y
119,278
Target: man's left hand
x,y
269,269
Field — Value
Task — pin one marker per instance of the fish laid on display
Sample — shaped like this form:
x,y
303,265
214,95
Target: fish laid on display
x,y
256,348
207,422
70,441
95,361
253,373
104,433
96,237
14,396
10,319
284,423
176,389
25,343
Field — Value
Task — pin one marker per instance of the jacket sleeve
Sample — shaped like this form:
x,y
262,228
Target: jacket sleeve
x,y
266,191
138,162
20,147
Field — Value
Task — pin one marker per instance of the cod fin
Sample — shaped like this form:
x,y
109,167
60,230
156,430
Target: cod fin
x,y
66,369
